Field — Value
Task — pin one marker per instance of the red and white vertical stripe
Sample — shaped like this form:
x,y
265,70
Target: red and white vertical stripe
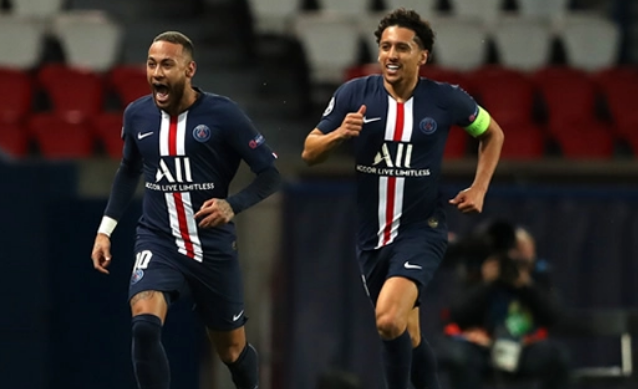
x,y
398,128
180,207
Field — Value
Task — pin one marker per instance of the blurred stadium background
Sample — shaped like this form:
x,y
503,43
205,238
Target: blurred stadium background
x,y
559,75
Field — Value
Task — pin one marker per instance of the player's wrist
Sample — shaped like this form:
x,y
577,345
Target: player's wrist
x,y
107,226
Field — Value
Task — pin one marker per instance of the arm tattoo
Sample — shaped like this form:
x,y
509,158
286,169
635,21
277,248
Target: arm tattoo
x,y
226,209
145,295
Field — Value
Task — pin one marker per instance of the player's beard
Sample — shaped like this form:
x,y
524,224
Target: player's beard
x,y
175,93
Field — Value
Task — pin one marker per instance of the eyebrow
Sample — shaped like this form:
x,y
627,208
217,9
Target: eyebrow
x,y
151,58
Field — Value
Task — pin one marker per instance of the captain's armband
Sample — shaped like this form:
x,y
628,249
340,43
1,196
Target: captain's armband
x,y
480,123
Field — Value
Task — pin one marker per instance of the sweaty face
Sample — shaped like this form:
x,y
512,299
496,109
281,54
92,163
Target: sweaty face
x,y
167,71
399,55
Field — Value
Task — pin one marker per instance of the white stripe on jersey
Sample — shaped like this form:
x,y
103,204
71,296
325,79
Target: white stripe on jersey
x,y
191,223
181,132
174,222
391,119
408,120
383,199
164,129
398,207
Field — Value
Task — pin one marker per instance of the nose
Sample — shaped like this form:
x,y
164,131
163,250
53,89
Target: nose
x,y
157,72
393,53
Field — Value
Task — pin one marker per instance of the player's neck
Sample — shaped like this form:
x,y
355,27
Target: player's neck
x,y
401,91
188,99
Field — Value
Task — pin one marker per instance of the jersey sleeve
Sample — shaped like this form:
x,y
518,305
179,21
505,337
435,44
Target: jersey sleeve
x,y
128,174
130,153
467,113
244,137
338,107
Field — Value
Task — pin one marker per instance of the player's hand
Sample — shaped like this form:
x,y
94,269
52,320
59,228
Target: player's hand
x,y
469,200
101,254
352,123
214,212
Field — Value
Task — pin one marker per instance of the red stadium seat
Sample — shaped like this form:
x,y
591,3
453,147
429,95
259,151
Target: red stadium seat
x,y
632,141
108,130
362,70
75,94
14,140
456,146
523,141
507,94
59,139
585,140
619,87
15,101
569,94
129,83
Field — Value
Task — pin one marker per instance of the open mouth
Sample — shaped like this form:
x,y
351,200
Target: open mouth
x,y
161,92
392,69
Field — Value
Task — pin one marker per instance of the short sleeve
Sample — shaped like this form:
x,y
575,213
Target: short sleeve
x,y
467,113
338,107
244,137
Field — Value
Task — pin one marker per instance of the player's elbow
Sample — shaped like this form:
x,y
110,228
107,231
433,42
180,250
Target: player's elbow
x,y
307,158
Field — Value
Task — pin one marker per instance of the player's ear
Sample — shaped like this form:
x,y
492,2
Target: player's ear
x,y
424,57
191,69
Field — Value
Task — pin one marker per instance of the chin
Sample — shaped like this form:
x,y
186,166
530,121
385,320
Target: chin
x,y
162,105
392,79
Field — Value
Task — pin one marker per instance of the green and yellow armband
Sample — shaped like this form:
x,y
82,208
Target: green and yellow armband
x,y
480,123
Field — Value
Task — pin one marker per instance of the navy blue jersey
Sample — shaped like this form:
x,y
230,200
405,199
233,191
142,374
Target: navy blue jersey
x,y
188,159
399,151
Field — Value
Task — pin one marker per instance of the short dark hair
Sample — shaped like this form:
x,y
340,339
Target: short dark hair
x,y
179,39
410,19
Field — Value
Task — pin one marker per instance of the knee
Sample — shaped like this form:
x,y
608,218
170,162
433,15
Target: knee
x,y
146,328
391,326
230,353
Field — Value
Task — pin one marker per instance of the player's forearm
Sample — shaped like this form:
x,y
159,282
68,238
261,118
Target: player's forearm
x,y
489,153
317,147
265,184
122,190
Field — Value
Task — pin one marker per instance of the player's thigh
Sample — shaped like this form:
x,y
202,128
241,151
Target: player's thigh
x,y
396,301
417,258
155,276
218,292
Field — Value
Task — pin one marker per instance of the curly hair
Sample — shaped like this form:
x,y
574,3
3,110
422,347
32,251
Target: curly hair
x,y
407,18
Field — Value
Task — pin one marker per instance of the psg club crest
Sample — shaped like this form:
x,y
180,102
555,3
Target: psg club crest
x,y
137,275
201,133
428,126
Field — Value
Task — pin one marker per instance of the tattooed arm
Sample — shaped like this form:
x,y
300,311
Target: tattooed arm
x,y
214,212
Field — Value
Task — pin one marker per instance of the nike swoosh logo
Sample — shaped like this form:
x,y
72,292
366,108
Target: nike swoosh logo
x,y
141,136
408,265
369,120
237,316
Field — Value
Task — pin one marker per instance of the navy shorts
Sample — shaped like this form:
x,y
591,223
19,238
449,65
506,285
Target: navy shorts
x,y
215,284
414,256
